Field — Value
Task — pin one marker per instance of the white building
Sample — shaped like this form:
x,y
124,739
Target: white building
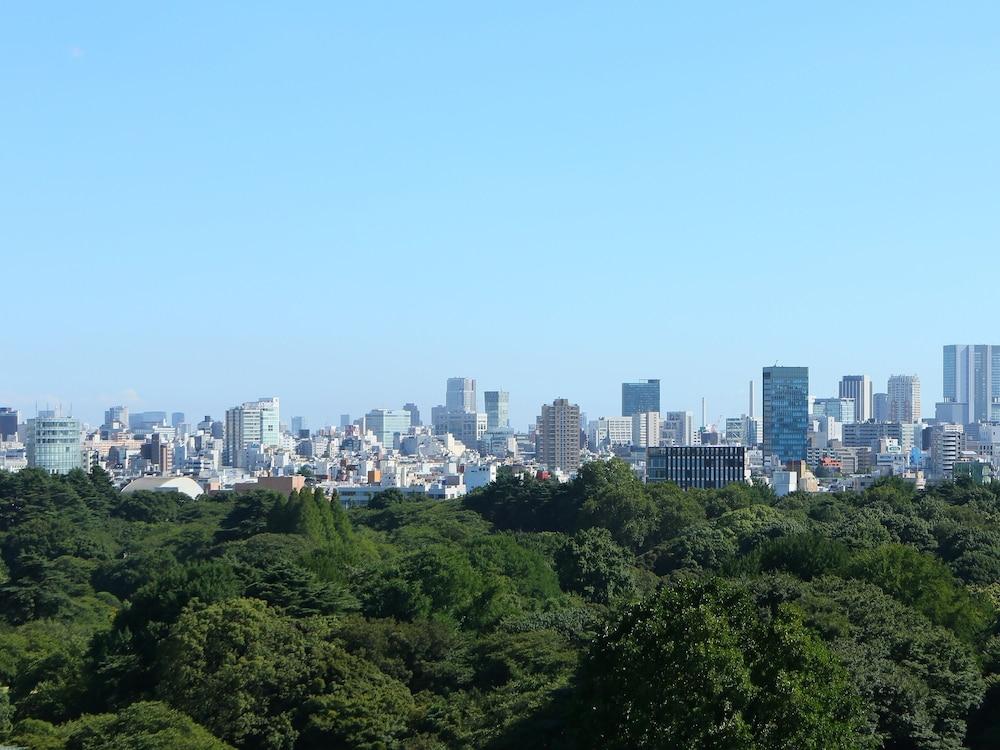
x,y
646,429
253,422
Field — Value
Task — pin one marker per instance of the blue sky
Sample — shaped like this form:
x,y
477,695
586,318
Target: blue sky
x,y
344,204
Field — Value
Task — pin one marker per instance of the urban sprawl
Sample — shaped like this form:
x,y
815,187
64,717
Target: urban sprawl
x,y
788,439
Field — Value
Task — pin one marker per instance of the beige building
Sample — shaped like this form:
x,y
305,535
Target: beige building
x,y
558,436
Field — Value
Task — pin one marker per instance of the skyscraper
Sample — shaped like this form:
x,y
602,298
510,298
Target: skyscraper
x,y
55,444
414,414
558,432
117,414
786,412
841,409
640,397
255,422
881,407
858,387
385,423
8,423
972,378
646,429
497,409
904,398
461,394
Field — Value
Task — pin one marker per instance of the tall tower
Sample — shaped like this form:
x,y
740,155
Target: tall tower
x,y
640,397
497,409
859,387
558,434
786,412
460,394
904,398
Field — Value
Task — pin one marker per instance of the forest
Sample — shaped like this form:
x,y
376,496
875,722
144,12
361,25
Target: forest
x,y
598,613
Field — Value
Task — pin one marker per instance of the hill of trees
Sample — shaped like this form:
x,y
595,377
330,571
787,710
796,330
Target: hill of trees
x,y
600,613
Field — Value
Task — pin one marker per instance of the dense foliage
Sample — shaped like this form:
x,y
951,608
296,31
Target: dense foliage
x,y
597,613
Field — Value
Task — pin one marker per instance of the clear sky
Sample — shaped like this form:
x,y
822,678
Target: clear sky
x,y
343,204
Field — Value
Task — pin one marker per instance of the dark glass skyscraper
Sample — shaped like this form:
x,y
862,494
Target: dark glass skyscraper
x,y
638,398
786,412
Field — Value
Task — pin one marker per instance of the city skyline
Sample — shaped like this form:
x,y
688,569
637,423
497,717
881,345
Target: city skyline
x,y
522,412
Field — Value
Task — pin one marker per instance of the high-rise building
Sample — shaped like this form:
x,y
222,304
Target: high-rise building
x,y
904,398
345,420
640,397
786,412
881,403
858,387
972,378
298,426
646,429
177,419
116,414
461,394
414,414
702,467
607,432
676,428
841,409
558,431
497,409
439,419
8,423
253,423
55,444
145,421
386,423
466,426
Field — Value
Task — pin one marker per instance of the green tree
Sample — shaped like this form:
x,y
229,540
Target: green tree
x,y
699,665
592,564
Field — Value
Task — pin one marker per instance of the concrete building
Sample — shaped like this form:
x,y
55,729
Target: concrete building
x,y
904,398
972,378
646,429
558,436
414,414
844,410
786,412
385,423
641,397
460,394
255,422
55,444
700,467
8,423
859,387
881,402
467,426
946,447
676,428
608,432
497,409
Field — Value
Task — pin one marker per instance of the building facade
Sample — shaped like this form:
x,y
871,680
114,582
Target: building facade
x,y
8,423
254,422
461,394
972,378
558,436
842,409
646,429
641,397
697,467
386,423
676,428
904,398
497,409
786,412
859,387
55,444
